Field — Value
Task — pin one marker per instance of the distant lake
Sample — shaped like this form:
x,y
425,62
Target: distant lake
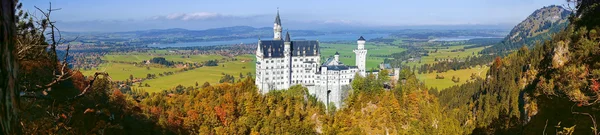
x,y
322,38
460,38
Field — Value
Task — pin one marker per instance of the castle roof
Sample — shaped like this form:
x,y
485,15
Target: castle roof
x,y
361,38
298,48
305,48
287,37
337,53
277,20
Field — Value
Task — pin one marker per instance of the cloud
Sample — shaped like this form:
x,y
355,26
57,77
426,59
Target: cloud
x,y
338,22
190,16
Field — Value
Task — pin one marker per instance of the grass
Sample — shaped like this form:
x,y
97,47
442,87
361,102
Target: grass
x,y
141,57
464,75
201,75
444,53
348,57
121,72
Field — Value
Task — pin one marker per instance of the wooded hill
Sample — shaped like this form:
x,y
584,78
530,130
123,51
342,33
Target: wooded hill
x,y
537,27
550,89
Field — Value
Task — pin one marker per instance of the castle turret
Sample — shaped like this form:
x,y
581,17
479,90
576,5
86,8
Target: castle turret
x,y
277,27
259,49
361,43
287,42
361,56
288,59
336,57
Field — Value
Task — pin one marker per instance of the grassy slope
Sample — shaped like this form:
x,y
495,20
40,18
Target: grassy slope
x,y
444,53
201,75
137,57
464,75
121,72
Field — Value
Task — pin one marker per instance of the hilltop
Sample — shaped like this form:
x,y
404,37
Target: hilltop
x,y
538,26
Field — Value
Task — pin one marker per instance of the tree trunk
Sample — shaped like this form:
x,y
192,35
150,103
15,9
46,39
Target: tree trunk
x,y
8,70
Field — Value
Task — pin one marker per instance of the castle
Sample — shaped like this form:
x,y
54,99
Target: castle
x,y
281,63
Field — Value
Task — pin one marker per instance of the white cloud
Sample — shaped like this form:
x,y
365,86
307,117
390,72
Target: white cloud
x,y
190,16
338,22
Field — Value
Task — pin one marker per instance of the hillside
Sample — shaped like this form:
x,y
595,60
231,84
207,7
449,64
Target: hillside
x,y
550,89
538,26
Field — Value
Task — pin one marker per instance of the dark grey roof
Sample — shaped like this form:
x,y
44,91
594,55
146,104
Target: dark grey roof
x,y
287,37
277,20
337,53
305,48
273,46
299,48
361,38
338,67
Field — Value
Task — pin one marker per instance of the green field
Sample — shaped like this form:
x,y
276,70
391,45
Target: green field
x,y
348,57
201,75
464,75
121,71
444,53
141,57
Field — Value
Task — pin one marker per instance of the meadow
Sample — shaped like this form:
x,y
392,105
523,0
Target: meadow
x,y
465,74
139,57
121,71
446,53
211,75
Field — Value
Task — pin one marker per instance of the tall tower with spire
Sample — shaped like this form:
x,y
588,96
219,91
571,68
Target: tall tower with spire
x,y
361,56
287,52
277,27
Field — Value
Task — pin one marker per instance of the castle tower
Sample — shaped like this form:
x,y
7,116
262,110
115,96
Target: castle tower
x,y
361,56
288,60
277,27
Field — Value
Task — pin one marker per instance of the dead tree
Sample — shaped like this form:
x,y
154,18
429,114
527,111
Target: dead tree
x,y
11,49
8,70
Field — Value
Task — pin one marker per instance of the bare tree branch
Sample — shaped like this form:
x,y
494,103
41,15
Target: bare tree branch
x,y
595,128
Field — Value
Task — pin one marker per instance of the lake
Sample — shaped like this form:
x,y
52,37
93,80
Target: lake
x,y
322,38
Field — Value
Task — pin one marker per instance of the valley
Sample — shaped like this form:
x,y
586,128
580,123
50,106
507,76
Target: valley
x,y
152,77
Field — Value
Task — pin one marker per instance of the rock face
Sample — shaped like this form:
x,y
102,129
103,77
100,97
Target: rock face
x,y
538,26
560,56
539,22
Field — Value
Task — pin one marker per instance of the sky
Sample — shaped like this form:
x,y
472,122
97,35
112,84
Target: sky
x,y
129,15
